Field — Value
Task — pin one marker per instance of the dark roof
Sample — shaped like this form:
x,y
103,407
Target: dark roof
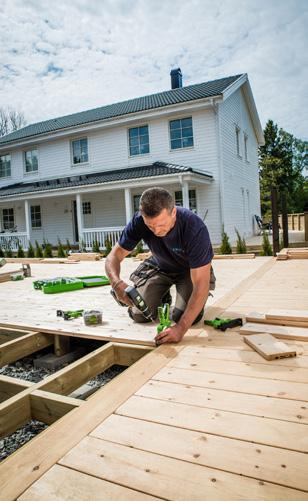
x,y
155,169
169,97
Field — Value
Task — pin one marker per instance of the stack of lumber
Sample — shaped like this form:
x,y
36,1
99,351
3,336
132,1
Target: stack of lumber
x,y
234,256
296,253
6,277
84,256
282,324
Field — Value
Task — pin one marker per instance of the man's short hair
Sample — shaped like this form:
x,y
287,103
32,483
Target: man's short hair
x,y
154,200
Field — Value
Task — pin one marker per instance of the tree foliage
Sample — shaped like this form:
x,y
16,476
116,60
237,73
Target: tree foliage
x,y
11,120
282,160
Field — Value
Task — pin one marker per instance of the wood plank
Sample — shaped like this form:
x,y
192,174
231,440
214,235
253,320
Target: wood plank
x,y
240,384
220,353
10,386
48,408
128,354
165,477
235,456
256,317
269,347
262,371
243,403
250,255
283,434
279,331
23,346
66,484
14,414
79,372
26,466
298,315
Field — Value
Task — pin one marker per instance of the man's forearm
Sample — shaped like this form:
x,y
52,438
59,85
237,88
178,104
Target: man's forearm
x,y
113,268
194,306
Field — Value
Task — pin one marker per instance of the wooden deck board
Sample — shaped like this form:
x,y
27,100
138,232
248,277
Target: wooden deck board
x,y
212,420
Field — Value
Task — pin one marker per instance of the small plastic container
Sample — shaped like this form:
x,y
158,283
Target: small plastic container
x,y
93,317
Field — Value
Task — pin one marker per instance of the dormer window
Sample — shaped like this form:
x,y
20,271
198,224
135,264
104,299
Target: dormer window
x,y
80,151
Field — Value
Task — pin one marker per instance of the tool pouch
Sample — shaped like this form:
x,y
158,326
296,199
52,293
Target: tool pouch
x,y
145,270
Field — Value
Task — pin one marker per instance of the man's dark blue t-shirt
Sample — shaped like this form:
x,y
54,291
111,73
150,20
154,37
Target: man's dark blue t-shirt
x,y
186,246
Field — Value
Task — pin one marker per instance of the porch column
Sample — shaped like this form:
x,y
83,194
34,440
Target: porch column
x,y
79,216
27,219
185,194
128,205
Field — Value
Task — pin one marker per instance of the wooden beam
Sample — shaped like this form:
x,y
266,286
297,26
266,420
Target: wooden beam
x,y
74,375
10,386
15,412
23,346
126,354
48,408
261,318
279,331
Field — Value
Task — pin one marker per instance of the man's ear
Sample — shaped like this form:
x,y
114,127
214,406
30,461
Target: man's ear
x,y
173,212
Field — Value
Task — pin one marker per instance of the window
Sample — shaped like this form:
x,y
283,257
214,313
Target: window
x,y
31,161
8,220
139,140
86,207
181,133
178,197
238,141
36,218
136,201
246,147
80,151
5,165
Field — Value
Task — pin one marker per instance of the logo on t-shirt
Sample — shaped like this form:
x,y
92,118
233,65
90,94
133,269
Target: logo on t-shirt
x,y
178,249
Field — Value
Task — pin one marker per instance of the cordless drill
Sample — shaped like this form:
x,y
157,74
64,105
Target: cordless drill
x,y
136,299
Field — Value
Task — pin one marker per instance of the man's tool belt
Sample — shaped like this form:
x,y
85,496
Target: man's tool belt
x,y
145,270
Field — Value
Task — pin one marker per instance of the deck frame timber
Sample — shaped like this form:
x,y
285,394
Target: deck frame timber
x,y
26,467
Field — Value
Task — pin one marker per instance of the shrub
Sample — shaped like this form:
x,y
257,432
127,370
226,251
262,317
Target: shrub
x,y
108,246
68,245
47,250
31,252
240,244
266,246
225,247
61,251
8,252
38,249
82,246
20,251
95,246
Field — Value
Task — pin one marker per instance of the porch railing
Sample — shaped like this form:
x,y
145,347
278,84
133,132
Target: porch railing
x,y
10,241
90,235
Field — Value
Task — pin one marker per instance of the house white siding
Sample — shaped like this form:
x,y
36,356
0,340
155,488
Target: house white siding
x,y
240,177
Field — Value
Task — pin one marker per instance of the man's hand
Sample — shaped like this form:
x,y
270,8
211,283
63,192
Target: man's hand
x,y
121,295
173,334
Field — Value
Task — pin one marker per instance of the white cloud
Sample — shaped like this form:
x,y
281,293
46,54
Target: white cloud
x,y
59,58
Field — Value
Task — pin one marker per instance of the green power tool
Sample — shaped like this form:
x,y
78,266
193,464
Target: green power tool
x,y
224,323
163,317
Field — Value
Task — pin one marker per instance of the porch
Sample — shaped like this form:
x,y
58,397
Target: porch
x,y
90,214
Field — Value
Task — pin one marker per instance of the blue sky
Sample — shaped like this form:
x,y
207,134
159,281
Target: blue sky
x,y
61,57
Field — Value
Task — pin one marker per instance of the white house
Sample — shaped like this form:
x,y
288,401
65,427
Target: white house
x,y
79,177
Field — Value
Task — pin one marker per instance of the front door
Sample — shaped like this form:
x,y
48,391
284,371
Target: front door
x,y
75,223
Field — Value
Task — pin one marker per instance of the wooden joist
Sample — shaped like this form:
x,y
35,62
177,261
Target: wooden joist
x,y
125,354
290,315
23,346
14,413
48,408
279,331
10,386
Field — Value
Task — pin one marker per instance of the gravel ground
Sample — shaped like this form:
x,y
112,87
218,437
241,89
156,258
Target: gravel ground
x,y
24,369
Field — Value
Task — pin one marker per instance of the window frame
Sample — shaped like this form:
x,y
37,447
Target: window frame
x,y
190,199
139,144
10,168
4,222
238,141
31,172
86,208
72,151
246,155
135,197
33,217
181,148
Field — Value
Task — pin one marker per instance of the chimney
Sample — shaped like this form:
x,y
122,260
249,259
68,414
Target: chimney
x,y
176,78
